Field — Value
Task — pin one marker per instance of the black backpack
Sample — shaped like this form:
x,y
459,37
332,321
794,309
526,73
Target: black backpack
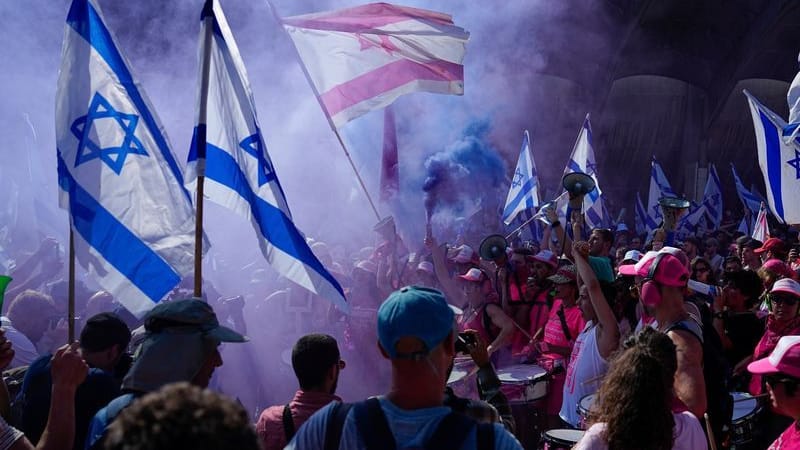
x,y
376,434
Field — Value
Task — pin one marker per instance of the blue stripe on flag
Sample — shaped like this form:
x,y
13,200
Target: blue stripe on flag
x,y
523,192
274,225
573,166
773,162
86,22
122,249
595,219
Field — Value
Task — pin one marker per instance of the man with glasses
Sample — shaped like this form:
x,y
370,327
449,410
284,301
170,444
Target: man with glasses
x,y
781,374
317,364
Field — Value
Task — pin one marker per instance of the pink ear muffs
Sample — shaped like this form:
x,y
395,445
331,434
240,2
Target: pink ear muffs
x,y
651,290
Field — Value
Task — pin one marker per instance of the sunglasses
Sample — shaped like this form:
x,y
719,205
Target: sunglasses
x,y
776,379
783,299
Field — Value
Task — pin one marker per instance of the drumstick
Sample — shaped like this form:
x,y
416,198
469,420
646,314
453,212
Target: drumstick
x,y
593,379
521,330
750,397
537,334
711,439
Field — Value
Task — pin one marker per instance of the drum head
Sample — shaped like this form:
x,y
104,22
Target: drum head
x,y
585,405
520,373
745,406
456,375
565,437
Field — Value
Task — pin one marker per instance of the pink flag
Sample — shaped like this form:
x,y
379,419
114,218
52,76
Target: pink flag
x,y
363,58
390,178
760,229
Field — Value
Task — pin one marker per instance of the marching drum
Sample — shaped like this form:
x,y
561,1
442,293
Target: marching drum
x,y
561,439
584,409
462,378
744,423
523,382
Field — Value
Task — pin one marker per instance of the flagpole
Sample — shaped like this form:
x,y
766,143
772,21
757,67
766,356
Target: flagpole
x,y
200,141
325,111
71,287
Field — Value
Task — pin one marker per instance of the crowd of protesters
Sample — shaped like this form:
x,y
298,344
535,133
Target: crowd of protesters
x,y
590,338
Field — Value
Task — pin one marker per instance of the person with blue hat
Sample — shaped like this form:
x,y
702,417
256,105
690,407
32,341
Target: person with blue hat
x,y
416,334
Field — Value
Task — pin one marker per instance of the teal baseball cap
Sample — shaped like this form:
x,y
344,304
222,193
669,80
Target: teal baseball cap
x,y
414,311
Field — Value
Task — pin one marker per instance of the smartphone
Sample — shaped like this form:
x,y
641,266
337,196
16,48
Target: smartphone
x,y
464,341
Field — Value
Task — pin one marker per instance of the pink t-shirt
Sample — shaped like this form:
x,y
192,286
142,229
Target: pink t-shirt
x,y
768,342
688,435
554,331
788,440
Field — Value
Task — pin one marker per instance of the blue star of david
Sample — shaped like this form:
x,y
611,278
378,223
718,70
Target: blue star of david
x,y
100,109
253,146
795,163
518,177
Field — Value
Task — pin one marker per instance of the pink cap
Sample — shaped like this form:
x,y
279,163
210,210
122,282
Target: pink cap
x,y
779,267
462,254
784,359
565,275
547,257
786,285
425,266
670,272
473,274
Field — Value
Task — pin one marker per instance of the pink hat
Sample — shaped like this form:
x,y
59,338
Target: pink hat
x,y
670,271
786,285
547,257
564,275
425,266
473,274
784,359
779,267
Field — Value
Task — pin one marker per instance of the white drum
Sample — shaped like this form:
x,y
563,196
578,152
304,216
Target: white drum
x,y
528,381
462,378
744,423
584,409
561,438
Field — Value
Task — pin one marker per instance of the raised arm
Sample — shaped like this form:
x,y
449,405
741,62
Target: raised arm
x,y
607,327
501,320
449,286
690,386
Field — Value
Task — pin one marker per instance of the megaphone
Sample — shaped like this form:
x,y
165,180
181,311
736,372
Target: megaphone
x,y
493,247
578,184
672,208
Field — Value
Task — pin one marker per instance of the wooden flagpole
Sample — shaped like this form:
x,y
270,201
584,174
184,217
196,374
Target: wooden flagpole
x,y
325,111
200,141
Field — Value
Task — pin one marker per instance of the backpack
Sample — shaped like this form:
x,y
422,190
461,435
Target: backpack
x,y
374,429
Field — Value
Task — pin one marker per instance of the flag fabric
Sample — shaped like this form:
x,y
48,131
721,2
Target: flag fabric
x,y
689,222
779,162
641,219
523,194
390,176
583,160
659,187
791,130
133,221
239,172
760,228
712,198
743,227
750,201
363,58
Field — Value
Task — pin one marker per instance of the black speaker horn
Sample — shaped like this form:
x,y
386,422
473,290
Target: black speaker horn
x,y
672,208
493,247
578,184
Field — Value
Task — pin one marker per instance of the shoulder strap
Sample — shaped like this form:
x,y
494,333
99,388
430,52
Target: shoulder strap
x,y
683,326
333,431
451,433
288,423
563,319
485,436
372,425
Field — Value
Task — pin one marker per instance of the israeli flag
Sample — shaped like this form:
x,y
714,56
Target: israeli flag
x,y
641,218
582,160
132,220
688,224
779,162
750,200
659,187
238,170
791,130
524,191
712,197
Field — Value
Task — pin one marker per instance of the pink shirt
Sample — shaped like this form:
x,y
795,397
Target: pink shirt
x,y
788,440
768,343
303,405
688,435
554,331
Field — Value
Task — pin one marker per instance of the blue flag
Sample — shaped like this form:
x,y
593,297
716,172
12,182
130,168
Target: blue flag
x,y
523,194
750,201
239,173
779,160
659,187
133,221
712,197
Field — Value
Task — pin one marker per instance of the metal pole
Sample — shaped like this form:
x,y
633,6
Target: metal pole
x,y
71,287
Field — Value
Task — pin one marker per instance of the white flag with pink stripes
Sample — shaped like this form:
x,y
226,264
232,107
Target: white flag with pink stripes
x,y
363,58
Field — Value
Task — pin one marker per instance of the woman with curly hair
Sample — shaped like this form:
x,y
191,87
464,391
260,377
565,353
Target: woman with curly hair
x,y
633,409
